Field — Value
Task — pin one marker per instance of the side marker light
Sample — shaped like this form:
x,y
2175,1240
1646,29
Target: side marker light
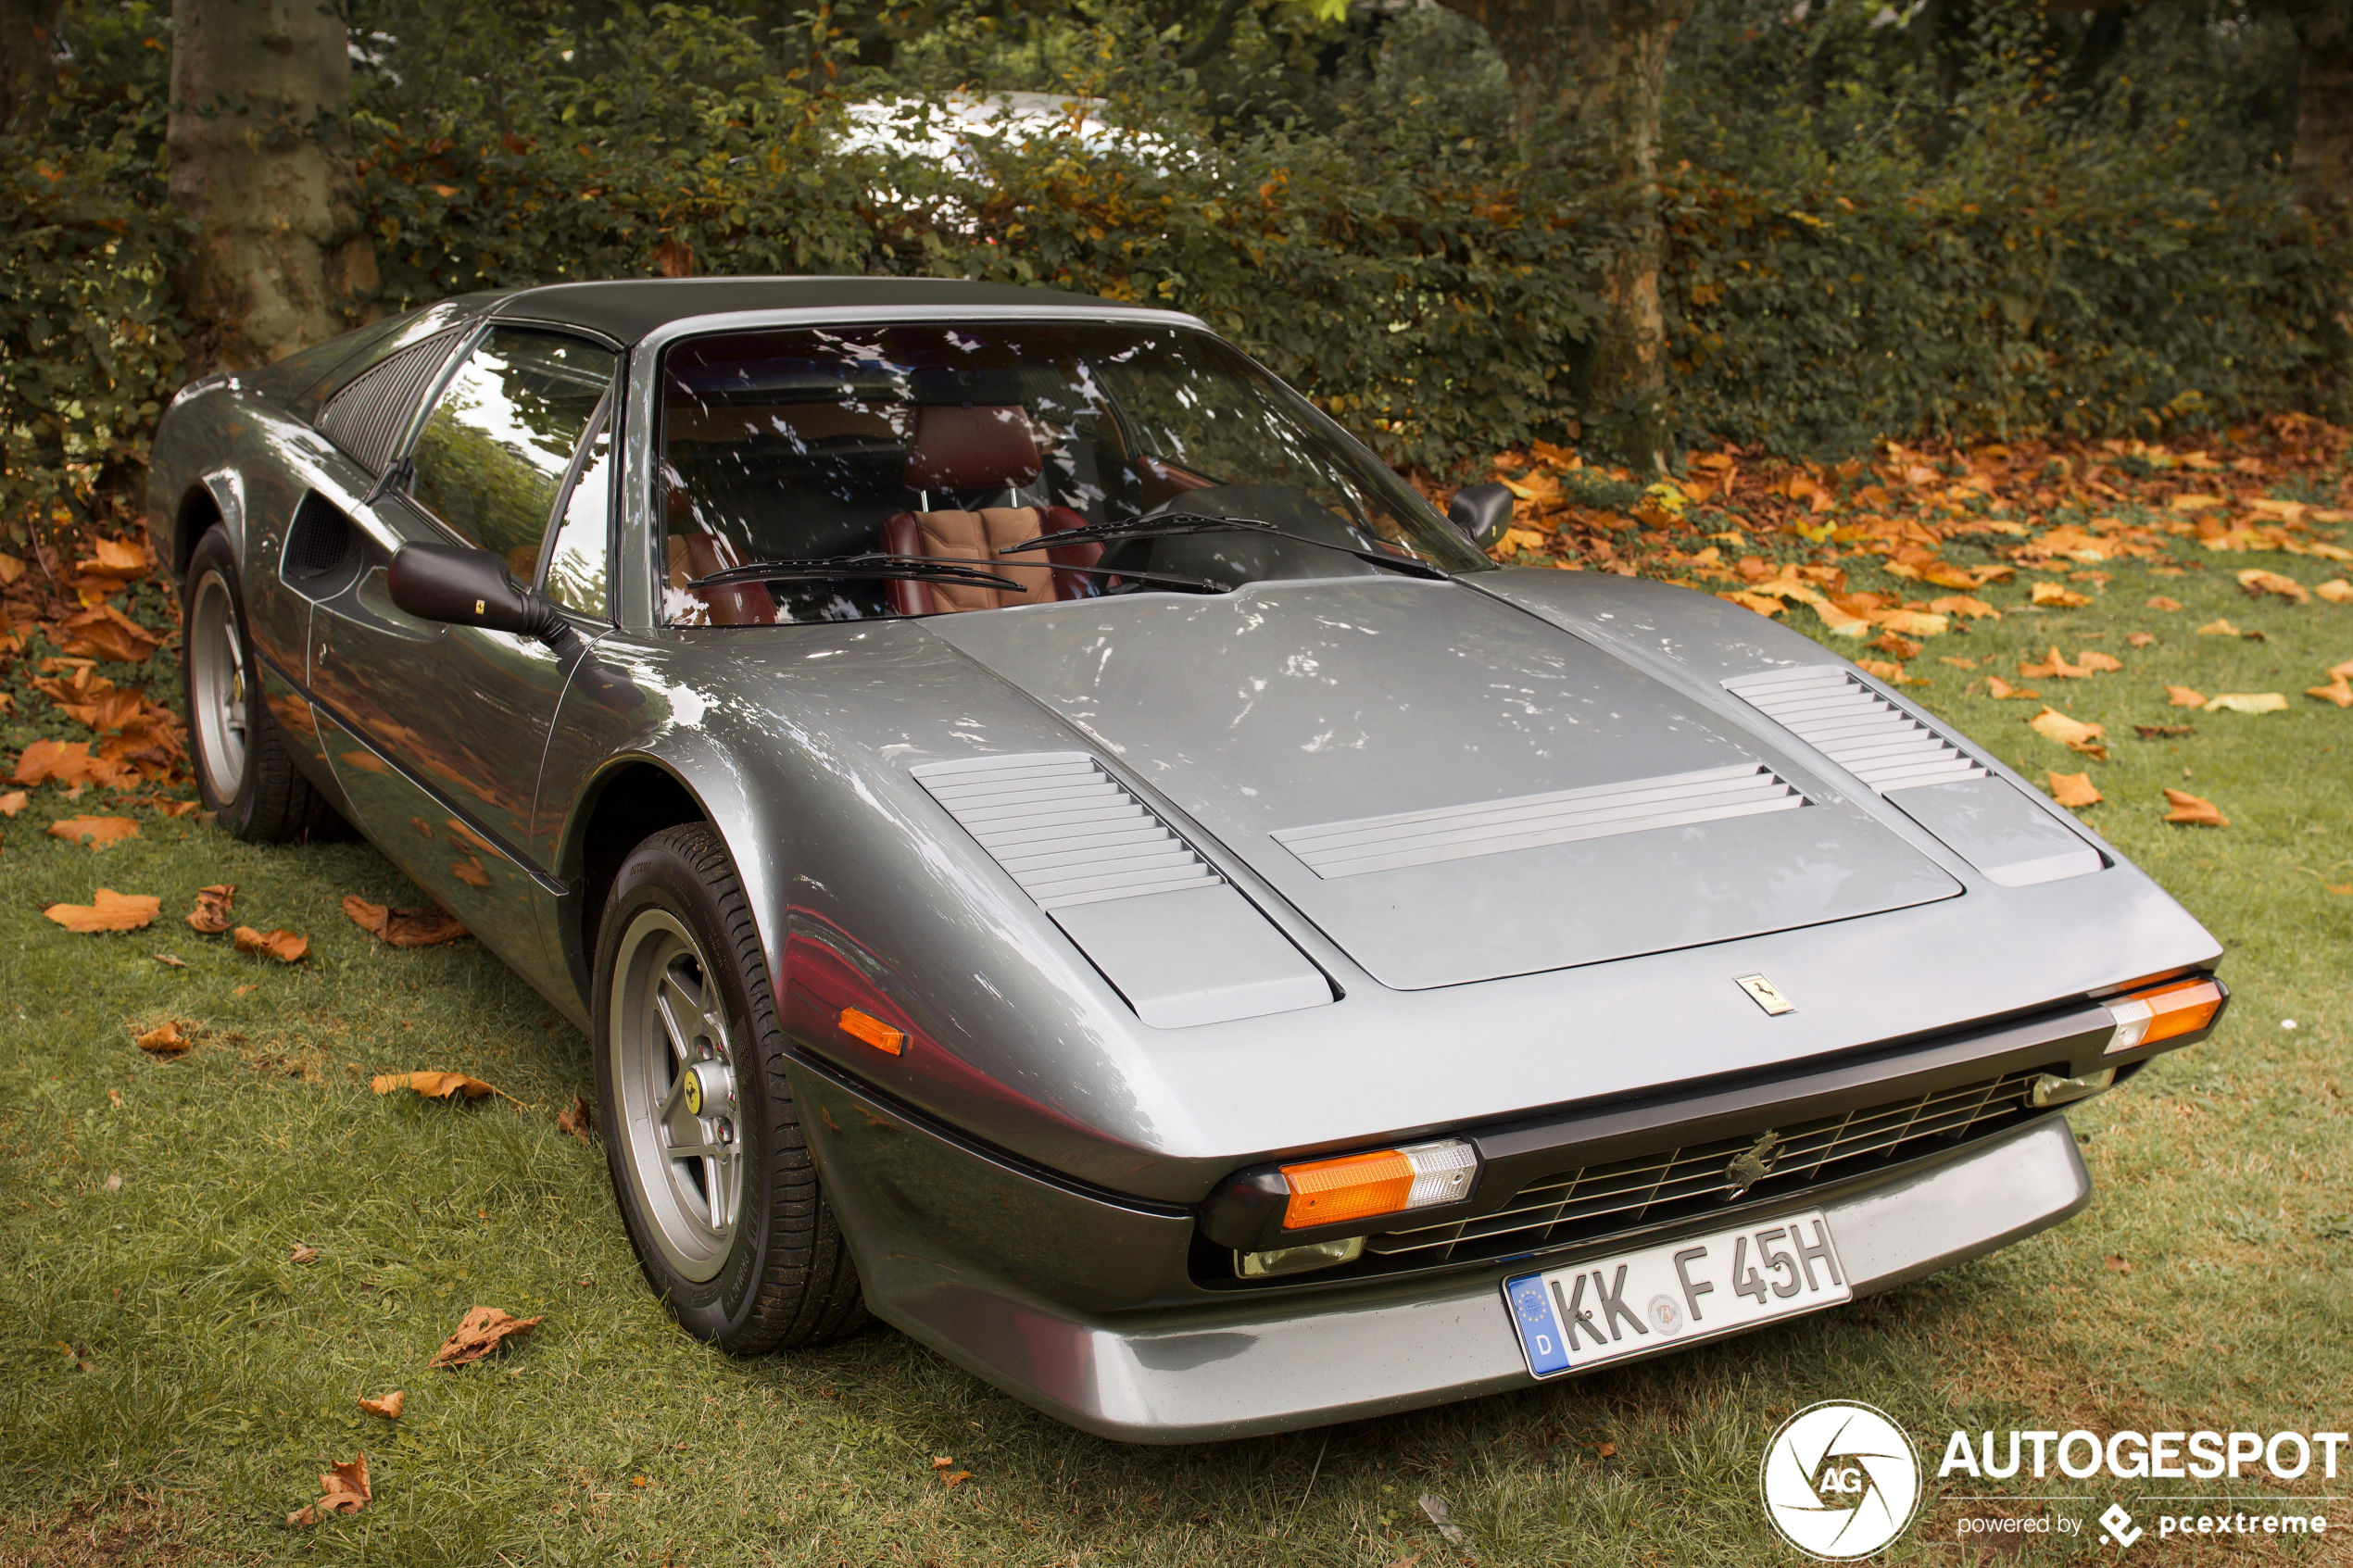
x,y
873,1031
2163,1012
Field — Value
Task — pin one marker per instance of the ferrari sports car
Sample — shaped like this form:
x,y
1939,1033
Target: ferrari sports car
x,y
1058,849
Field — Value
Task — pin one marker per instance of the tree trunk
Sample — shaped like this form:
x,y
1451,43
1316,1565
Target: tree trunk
x,y
2324,105
261,160
1599,66
27,60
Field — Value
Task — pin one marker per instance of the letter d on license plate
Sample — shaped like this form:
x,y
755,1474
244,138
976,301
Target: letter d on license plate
x,y
1605,1309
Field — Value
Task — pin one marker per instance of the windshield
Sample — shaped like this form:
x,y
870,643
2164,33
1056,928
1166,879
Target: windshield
x,y
956,442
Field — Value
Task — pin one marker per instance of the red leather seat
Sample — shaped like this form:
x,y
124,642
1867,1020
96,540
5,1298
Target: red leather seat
x,y
689,554
959,450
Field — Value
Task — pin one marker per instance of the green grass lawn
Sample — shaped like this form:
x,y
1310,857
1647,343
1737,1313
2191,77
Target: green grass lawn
x,y
174,1383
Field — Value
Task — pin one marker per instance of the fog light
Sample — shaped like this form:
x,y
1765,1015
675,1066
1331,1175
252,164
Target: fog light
x,y
2052,1089
1297,1260
1386,1181
2163,1012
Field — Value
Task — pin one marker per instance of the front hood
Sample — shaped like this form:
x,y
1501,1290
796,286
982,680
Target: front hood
x,y
1448,788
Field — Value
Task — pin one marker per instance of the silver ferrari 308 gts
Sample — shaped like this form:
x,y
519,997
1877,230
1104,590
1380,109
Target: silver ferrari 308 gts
x,y
1056,846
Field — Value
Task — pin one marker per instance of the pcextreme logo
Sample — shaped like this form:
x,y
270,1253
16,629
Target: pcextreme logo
x,y
1840,1480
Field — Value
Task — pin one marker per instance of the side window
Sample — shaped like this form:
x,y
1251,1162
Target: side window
x,y
492,457
577,553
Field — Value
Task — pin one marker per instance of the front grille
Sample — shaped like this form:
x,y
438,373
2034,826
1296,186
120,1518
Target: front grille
x,y
1600,1200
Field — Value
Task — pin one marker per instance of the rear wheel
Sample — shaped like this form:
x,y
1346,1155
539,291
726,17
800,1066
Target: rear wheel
x,y
714,1180
244,769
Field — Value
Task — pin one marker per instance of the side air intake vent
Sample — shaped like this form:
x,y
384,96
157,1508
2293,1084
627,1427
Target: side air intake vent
x,y
1855,727
1496,827
1064,829
366,417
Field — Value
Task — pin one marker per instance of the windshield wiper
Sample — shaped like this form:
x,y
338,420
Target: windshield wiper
x,y
928,569
1173,523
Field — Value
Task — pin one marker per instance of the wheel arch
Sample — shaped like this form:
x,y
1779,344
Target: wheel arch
x,y
631,798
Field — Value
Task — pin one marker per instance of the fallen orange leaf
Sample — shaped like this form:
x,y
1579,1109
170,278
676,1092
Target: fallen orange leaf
x,y
2221,628
211,913
2341,672
303,1253
96,832
283,945
170,961
2191,811
2339,692
1892,674
403,928
2139,639
2164,732
165,1039
2336,590
2257,581
346,1492
483,1330
13,802
2092,658
437,1086
388,1407
2065,598
2184,696
2160,601
2072,789
577,1119
2076,735
108,911
2054,665
1998,688
1962,604
1895,647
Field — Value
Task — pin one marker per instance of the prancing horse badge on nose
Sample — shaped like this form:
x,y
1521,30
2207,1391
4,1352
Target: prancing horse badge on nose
x,y
1764,994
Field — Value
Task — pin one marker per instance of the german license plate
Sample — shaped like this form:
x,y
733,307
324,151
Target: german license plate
x,y
1606,1308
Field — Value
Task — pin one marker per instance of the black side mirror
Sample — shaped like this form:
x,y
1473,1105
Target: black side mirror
x,y
463,587
457,586
1481,511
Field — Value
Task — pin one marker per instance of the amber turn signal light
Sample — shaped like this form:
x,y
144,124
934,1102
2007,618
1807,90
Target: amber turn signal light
x,y
1386,1181
873,1031
2163,1012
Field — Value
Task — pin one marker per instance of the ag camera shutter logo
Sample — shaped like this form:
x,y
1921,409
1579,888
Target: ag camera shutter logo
x,y
1840,1480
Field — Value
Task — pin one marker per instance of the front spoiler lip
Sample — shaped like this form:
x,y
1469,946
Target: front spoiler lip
x,y
1280,1368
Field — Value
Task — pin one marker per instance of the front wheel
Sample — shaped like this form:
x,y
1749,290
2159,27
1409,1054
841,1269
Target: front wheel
x,y
714,1180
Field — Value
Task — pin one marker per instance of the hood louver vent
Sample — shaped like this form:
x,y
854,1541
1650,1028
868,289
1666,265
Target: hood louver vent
x,y
1064,829
367,417
1495,827
1855,727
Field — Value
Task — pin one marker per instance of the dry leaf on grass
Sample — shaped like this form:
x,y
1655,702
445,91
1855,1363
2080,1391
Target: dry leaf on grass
x,y
96,832
13,802
2164,732
1434,1507
2072,733
68,762
169,962
2339,692
2221,628
943,1467
303,1253
437,1086
108,910
2336,590
2184,696
2139,639
2191,811
2092,658
403,928
165,1038
2341,672
346,1492
1998,688
2072,789
2118,1262
1892,674
2248,702
388,1407
211,913
1962,604
2258,581
2056,664
483,1330
2065,598
283,945
2158,601
577,1119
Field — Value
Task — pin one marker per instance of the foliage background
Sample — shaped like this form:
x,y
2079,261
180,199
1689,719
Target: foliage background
x,y
2003,232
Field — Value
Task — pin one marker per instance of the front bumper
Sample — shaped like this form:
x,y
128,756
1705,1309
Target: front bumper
x,y
1215,1368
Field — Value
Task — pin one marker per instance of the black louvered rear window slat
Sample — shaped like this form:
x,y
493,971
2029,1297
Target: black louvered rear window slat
x,y
367,417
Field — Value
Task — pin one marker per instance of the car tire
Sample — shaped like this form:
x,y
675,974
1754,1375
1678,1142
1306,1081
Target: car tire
x,y
735,1236
245,768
